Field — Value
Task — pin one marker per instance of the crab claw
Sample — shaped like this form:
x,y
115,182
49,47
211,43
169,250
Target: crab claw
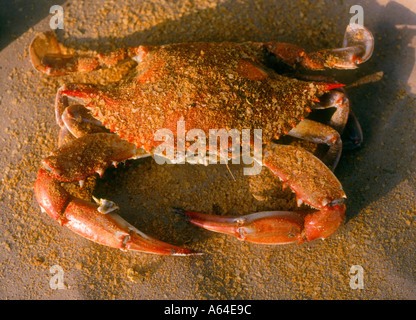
x,y
96,222
313,184
273,227
84,218
269,227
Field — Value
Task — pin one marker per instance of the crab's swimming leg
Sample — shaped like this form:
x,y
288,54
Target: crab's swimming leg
x,y
357,48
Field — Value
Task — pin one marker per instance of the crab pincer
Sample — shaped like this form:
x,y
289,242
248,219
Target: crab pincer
x,y
312,183
95,221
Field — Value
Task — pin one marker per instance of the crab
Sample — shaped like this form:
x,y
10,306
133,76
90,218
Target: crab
x,y
209,86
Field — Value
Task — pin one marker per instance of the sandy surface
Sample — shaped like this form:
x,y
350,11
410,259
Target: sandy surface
x,y
379,178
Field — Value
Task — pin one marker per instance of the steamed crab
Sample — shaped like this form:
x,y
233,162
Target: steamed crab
x,y
209,86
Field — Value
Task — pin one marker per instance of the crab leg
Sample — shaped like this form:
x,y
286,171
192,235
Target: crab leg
x,y
343,119
93,221
64,136
336,98
75,120
357,48
77,91
352,136
319,133
313,184
80,122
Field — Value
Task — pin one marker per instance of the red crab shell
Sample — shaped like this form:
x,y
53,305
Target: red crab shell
x,y
207,85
